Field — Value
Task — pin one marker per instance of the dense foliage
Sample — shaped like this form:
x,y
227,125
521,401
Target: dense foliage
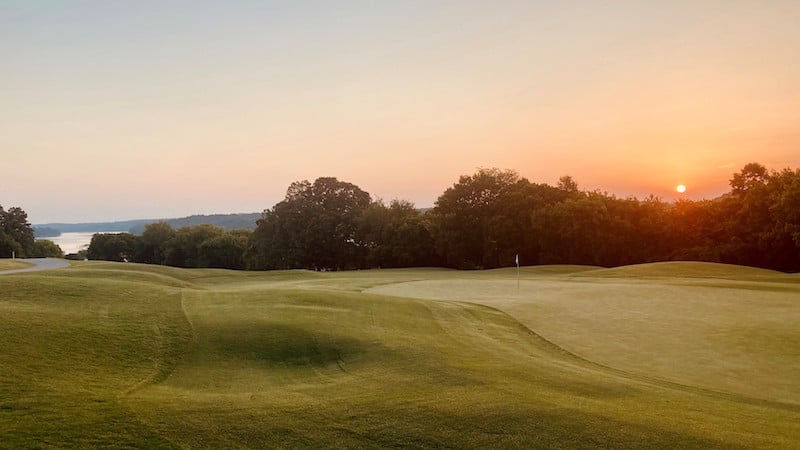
x,y
485,220
315,226
16,234
17,237
197,246
44,248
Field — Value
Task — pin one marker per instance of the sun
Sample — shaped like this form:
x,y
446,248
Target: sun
x,y
681,188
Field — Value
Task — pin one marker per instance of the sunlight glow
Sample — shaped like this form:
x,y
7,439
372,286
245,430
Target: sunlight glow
x,y
680,188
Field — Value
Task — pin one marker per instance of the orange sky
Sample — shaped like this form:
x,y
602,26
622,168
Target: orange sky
x,y
152,110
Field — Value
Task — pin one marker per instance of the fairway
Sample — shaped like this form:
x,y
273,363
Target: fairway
x,y
654,356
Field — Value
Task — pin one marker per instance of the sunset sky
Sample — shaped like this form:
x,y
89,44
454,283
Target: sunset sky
x,y
146,109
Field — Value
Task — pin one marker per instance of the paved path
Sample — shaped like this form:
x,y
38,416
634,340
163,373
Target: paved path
x,y
38,264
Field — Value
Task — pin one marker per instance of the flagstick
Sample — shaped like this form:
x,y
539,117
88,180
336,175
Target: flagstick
x,y
517,260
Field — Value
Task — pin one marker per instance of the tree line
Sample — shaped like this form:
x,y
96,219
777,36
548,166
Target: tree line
x,y
194,246
484,221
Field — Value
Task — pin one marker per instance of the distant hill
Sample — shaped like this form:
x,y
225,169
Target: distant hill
x,y
94,227
46,232
225,221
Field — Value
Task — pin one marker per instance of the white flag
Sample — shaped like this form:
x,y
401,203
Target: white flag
x,y
516,259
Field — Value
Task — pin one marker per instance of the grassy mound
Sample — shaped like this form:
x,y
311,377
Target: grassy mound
x,y
689,269
532,271
142,356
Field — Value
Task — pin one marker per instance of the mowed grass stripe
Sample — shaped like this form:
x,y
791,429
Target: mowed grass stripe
x,y
70,349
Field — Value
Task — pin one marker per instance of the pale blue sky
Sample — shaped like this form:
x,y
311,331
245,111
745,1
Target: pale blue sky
x,y
113,109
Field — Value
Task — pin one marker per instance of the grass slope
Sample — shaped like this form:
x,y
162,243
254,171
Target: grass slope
x,y
691,269
122,355
10,264
715,332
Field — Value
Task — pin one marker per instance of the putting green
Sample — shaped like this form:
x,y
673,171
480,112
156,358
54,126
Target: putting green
x,y
690,323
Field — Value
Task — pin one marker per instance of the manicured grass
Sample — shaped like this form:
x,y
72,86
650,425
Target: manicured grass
x,y
72,348
10,264
691,323
121,355
691,269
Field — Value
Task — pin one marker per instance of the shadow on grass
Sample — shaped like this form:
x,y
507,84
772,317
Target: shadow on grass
x,y
280,345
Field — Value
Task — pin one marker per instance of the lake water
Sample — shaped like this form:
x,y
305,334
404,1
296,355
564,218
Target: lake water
x,y
73,242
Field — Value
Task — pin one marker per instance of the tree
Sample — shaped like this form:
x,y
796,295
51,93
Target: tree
x,y
567,184
650,233
783,236
756,224
227,250
574,231
44,248
153,241
752,175
112,247
484,220
395,236
16,234
184,248
8,246
765,222
785,202
313,227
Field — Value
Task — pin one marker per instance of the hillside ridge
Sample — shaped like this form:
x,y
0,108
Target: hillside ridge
x,y
136,226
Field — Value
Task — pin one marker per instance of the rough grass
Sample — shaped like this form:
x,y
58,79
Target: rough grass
x,y
123,355
10,264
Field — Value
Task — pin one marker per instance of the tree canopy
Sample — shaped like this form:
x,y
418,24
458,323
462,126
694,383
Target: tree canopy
x,y
314,227
16,234
198,246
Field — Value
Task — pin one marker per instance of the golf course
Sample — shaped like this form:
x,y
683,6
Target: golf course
x,y
663,355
